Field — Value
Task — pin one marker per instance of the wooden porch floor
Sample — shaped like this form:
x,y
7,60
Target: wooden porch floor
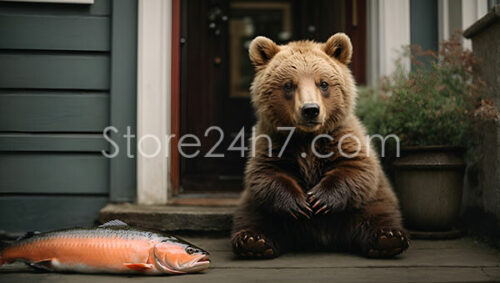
x,y
462,260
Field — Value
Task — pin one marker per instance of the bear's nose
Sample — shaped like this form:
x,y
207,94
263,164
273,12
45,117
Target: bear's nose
x,y
310,110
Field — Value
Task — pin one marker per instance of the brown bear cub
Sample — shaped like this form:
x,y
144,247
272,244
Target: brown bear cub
x,y
329,196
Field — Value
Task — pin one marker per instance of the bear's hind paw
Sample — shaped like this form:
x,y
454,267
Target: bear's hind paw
x,y
247,244
388,243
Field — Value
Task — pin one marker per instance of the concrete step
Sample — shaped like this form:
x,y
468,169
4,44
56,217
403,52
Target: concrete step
x,y
171,217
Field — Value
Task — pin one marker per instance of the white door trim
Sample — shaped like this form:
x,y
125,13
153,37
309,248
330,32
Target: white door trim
x,y
472,10
443,20
388,30
456,15
153,99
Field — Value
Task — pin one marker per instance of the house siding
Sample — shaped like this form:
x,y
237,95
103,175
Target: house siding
x,y
67,71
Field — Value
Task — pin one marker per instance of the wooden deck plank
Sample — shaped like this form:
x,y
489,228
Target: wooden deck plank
x,y
411,258
461,260
21,273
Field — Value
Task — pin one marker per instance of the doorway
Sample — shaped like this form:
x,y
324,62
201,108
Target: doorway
x,y
215,75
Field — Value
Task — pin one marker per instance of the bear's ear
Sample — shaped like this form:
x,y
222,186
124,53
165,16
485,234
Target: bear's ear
x,y
339,47
261,50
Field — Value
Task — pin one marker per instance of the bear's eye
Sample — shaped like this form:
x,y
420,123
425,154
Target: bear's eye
x,y
323,86
288,86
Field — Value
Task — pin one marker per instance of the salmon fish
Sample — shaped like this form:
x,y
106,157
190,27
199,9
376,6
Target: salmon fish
x,y
113,247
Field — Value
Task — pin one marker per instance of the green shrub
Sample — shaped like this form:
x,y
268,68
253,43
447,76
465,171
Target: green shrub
x,y
436,103
371,109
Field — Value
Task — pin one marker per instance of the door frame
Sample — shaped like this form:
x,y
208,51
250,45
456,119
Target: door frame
x,y
158,104
175,93
155,95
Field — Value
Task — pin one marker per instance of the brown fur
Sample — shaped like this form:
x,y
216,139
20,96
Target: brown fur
x,y
295,202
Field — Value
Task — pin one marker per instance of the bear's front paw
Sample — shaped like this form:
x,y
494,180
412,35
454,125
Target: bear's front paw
x,y
324,201
388,243
293,205
248,244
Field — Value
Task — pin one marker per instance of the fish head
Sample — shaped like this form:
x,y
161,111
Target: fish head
x,y
176,256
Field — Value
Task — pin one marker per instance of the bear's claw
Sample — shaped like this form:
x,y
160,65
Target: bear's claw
x,y
388,243
299,209
322,202
248,244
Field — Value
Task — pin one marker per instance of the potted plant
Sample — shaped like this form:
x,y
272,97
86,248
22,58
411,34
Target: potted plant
x,y
433,110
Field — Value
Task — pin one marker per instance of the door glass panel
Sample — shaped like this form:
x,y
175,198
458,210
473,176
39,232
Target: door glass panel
x,y
247,20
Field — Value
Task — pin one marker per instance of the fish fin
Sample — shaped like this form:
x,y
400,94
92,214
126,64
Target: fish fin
x,y
27,235
45,264
3,245
114,222
139,266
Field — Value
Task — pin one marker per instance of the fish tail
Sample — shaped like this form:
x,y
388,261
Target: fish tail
x,y
3,245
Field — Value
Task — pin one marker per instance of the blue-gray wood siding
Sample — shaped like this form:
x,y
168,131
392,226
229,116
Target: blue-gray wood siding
x,y
67,71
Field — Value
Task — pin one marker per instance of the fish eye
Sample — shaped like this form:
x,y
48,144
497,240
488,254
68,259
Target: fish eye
x,y
323,85
190,250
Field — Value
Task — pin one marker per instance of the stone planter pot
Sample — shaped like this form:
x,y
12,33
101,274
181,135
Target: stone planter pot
x,y
429,183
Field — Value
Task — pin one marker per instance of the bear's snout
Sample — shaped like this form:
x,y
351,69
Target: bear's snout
x,y
310,111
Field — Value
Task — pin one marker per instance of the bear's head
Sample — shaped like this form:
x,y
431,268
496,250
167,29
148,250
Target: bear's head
x,y
303,84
